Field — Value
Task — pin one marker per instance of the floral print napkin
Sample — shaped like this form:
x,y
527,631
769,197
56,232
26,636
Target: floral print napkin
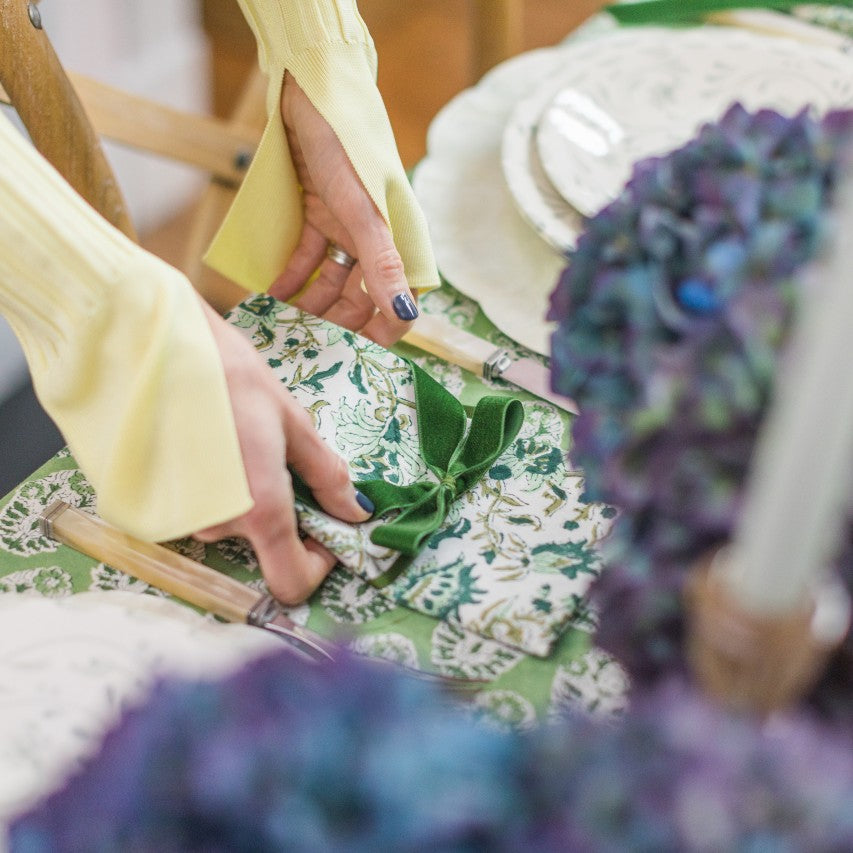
x,y
515,555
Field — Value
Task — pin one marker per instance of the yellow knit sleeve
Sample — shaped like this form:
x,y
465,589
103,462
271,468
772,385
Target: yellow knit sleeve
x,y
121,356
325,45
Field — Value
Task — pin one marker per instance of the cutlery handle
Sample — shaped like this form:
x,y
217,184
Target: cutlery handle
x,y
438,336
185,578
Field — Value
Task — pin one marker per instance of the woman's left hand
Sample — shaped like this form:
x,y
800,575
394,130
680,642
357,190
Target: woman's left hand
x,y
339,213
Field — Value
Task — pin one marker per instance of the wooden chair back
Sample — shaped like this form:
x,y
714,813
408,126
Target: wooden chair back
x,y
65,115
56,121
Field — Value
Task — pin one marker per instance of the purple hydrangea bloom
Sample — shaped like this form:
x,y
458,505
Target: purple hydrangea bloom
x,y
672,313
286,755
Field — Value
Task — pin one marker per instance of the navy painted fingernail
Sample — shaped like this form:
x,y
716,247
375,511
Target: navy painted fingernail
x,y
404,308
364,502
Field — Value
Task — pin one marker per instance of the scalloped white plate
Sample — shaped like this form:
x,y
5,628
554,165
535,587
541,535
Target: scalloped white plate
x,y
638,93
483,245
538,201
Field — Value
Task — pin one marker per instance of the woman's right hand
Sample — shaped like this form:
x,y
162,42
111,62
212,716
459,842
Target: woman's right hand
x,y
275,431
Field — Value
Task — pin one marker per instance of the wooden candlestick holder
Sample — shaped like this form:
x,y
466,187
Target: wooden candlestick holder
x,y
758,663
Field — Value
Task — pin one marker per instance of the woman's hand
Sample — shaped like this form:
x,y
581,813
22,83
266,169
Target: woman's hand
x,y
339,211
274,430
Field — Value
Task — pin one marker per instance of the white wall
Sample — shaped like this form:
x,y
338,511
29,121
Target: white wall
x,y
155,48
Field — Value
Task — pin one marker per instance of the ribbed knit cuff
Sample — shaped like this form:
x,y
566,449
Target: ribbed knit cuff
x,y
285,28
327,49
121,356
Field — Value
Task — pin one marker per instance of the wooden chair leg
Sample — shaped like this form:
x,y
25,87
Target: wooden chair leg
x,y
497,30
219,291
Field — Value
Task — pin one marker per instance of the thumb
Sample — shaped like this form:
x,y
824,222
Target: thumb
x,y
383,271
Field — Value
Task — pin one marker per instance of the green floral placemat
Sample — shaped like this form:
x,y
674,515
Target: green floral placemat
x,y
517,689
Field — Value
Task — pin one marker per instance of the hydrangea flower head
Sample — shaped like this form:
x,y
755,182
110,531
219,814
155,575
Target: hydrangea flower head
x,y
672,313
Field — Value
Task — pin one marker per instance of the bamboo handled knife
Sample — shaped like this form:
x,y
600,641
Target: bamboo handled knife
x,y
182,577
436,335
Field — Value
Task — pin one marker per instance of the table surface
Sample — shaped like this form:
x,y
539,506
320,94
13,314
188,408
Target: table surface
x,y
513,689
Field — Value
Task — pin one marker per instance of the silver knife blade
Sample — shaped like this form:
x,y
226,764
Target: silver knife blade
x,y
437,335
536,378
178,575
270,615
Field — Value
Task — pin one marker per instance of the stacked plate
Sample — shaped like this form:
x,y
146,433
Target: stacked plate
x,y
515,164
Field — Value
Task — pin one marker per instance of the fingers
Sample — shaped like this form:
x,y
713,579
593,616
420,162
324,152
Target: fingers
x,y
338,205
291,569
323,470
381,265
304,260
354,308
327,288
386,333
272,430
310,263
284,584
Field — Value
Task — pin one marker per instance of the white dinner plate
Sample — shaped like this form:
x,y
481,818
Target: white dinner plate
x,y
538,200
483,246
645,91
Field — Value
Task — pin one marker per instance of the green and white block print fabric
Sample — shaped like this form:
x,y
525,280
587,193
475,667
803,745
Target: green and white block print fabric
x,y
505,682
515,554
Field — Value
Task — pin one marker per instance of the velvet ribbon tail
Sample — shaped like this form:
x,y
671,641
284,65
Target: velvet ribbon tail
x,y
662,11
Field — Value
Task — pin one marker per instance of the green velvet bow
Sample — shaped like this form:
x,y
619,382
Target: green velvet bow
x,y
456,458
661,11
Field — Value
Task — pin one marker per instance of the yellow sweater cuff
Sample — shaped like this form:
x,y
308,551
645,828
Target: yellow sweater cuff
x,y
121,356
327,49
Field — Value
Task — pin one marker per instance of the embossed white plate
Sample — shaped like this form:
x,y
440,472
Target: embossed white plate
x,y
645,91
538,201
483,246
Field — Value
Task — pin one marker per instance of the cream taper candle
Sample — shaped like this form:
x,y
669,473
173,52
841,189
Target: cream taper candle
x,y
798,493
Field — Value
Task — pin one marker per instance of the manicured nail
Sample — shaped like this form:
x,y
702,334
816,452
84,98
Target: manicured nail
x,y
364,502
404,308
